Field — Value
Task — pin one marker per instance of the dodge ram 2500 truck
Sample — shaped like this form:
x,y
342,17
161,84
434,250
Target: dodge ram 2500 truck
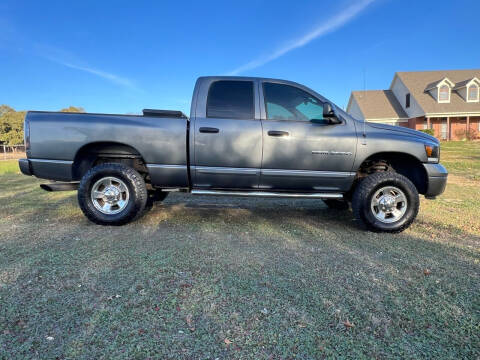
x,y
245,137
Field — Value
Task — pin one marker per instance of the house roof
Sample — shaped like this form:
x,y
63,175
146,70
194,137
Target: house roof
x,y
379,104
438,82
418,81
464,83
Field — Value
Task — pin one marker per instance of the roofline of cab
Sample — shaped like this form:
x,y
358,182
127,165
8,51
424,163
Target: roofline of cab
x,y
262,79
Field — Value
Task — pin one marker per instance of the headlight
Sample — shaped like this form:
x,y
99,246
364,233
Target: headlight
x,y
433,153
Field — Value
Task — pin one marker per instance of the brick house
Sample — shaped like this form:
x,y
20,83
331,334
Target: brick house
x,y
446,101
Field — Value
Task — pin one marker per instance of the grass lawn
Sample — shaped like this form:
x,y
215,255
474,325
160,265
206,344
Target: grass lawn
x,y
207,278
9,167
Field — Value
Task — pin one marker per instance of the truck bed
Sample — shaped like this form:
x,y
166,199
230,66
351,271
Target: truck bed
x,y
159,136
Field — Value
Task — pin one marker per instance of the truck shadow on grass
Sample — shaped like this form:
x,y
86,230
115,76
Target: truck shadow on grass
x,y
275,277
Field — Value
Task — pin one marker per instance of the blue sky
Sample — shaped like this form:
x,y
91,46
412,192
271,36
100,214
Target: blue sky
x,y
123,56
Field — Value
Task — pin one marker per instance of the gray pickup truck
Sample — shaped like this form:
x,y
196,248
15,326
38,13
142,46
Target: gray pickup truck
x,y
245,137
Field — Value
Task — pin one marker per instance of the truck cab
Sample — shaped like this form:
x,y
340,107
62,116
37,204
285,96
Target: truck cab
x,y
262,134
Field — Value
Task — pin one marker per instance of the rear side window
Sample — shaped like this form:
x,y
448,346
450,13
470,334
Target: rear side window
x,y
230,99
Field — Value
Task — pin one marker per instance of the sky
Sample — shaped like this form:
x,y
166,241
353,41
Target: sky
x,y
123,56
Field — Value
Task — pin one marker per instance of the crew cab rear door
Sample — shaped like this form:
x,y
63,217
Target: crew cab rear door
x,y
301,150
227,135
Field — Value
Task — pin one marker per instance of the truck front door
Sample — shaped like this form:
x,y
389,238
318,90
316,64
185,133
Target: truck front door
x,y
301,150
227,135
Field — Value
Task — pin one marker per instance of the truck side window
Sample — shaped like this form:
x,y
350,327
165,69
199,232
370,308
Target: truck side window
x,y
285,102
230,99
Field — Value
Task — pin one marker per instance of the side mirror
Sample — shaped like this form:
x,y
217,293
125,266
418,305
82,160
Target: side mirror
x,y
329,114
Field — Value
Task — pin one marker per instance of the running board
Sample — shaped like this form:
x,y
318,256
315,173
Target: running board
x,y
59,186
270,194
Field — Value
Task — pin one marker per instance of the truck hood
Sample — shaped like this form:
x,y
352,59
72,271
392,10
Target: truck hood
x,y
403,130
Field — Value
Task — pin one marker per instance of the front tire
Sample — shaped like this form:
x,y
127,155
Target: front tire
x,y
112,194
386,202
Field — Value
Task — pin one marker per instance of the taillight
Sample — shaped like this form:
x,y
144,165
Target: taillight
x,y
26,131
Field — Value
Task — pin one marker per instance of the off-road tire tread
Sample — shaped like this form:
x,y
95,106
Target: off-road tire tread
x,y
368,184
139,195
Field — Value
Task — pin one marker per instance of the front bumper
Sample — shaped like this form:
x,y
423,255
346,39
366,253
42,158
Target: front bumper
x,y
437,179
24,165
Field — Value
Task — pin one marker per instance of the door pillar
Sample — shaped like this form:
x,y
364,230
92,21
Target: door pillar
x,y
468,127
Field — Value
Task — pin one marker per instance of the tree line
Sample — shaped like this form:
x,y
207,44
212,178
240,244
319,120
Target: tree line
x,y
11,124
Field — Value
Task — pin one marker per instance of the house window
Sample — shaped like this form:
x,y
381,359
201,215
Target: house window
x,y
407,100
443,130
444,94
473,93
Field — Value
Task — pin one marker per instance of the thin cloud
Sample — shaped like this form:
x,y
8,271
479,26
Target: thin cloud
x,y
103,74
66,59
334,23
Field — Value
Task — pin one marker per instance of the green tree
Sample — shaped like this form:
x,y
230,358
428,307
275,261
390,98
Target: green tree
x,y
74,109
11,123
11,127
4,109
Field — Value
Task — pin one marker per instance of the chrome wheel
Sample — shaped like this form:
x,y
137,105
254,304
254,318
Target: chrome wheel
x,y
110,195
389,204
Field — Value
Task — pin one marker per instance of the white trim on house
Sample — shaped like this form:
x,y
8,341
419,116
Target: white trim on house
x,y
388,120
468,92
445,82
463,89
455,114
449,90
434,89
474,79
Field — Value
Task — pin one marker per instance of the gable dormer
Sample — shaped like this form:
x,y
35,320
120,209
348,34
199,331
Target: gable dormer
x,y
469,89
440,90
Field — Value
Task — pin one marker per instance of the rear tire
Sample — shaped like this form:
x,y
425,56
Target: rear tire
x,y
112,194
385,202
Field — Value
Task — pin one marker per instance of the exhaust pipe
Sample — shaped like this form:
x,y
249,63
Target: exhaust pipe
x,y
58,186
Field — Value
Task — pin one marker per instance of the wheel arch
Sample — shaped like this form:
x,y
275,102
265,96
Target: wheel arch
x,y
94,153
403,163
